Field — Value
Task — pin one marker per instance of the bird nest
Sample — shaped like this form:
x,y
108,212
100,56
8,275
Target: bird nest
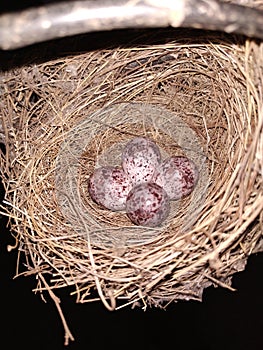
x,y
198,96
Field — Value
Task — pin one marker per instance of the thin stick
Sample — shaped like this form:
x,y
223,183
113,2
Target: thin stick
x,y
68,334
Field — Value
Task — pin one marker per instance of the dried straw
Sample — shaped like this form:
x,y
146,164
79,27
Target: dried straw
x,y
196,96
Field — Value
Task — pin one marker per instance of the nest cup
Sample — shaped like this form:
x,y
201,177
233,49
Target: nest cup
x,y
98,141
194,96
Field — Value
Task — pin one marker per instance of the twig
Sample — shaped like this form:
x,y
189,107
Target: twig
x,y
68,334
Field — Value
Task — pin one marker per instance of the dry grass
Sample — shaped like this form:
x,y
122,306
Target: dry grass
x,y
196,96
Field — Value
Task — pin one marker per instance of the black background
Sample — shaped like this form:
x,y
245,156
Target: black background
x,y
224,320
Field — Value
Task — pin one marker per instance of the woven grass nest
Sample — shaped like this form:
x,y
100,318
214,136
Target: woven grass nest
x,y
194,95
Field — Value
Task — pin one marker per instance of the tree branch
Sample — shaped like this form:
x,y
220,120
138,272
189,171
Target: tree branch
x,y
63,19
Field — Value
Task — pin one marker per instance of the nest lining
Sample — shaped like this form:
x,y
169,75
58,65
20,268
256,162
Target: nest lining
x,y
212,85
117,124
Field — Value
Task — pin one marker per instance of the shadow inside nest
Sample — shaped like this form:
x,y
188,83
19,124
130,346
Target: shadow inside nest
x,y
125,38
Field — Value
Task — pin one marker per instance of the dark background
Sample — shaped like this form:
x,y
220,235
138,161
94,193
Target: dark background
x,y
15,5
224,320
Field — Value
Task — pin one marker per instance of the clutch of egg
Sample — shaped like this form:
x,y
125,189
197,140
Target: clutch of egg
x,y
144,184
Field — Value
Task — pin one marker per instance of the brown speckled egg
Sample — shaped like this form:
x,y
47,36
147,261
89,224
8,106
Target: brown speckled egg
x,y
178,176
140,158
147,204
109,187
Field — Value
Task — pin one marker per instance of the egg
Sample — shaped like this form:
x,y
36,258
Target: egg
x,y
147,204
109,187
178,176
140,158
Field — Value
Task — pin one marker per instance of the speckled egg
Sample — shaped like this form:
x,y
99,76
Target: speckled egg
x,y
147,204
140,158
109,187
178,176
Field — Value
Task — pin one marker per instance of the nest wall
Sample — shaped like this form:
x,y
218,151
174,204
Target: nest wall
x,y
196,95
